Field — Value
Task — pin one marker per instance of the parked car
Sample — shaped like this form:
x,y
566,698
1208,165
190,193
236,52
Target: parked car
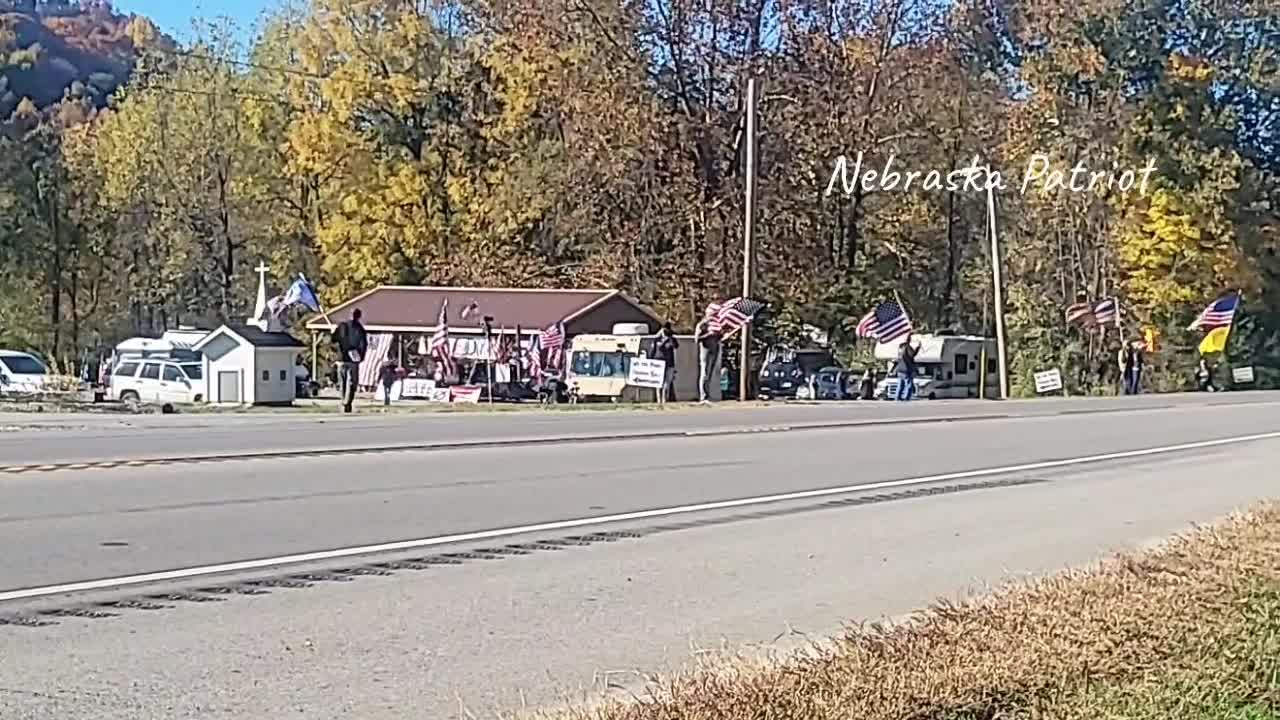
x,y
786,371
150,380
22,373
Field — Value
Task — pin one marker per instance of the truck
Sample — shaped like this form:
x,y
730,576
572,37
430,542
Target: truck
x,y
599,365
946,367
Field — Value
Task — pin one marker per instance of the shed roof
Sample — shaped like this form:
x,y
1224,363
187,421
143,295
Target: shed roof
x,y
254,336
403,308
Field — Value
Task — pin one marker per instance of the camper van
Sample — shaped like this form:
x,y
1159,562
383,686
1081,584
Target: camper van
x,y
599,365
946,367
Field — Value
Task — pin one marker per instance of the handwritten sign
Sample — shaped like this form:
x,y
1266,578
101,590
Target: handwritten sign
x,y
1242,375
418,387
1048,381
646,373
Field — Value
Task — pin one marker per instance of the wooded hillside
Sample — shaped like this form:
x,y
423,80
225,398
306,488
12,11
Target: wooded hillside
x,y
598,143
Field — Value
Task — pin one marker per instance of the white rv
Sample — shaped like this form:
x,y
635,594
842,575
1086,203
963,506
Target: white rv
x,y
599,366
947,366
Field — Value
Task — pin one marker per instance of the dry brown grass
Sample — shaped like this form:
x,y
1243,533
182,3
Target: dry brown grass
x,y
1191,630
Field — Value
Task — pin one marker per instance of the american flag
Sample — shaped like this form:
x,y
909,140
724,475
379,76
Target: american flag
x,y
1080,314
505,348
371,366
1220,313
886,323
440,340
553,340
730,315
1107,311
535,358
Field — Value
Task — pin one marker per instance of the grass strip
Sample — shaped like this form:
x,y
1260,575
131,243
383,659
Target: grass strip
x,y
1189,630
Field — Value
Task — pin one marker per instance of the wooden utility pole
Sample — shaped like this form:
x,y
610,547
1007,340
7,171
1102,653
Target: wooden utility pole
x,y
997,288
748,243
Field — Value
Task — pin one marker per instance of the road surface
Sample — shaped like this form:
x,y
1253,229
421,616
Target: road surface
x,y
895,515
32,439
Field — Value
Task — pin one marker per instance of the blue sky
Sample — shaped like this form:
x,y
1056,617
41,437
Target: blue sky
x,y
174,16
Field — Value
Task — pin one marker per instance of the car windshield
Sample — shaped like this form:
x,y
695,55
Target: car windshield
x,y
193,371
23,365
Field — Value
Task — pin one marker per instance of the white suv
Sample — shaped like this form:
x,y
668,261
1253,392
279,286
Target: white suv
x,y
156,380
22,373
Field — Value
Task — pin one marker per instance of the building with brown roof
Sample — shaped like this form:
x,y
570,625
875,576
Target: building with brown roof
x,y
411,310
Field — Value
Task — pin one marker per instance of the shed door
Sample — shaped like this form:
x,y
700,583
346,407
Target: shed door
x,y
229,386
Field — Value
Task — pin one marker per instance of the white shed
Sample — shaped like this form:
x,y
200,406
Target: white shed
x,y
244,365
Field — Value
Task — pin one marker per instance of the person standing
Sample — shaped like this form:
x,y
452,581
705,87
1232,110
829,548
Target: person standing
x,y
353,345
387,377
664,349
1124,361
1135,377
301,378
906,369
708,353
1204,377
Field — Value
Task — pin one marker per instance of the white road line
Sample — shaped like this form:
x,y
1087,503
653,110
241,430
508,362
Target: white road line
x,y
244,565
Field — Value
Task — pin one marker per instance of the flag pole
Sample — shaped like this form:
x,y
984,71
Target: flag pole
x,y
997,286
1232,327
490,356
748,242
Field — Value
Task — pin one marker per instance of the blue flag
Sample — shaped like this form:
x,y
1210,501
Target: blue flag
x,y
301,292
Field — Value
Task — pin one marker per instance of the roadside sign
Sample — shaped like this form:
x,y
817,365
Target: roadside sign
x,y
1049,381
1242,375
646,372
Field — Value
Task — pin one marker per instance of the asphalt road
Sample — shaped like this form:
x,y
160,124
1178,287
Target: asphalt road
x,y
78,438
475,635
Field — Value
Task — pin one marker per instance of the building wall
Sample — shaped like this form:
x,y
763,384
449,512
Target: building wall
x,y
239,359
277,364
602,319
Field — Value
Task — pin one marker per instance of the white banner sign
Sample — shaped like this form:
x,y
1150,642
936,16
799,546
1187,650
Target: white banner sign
x,y
417,387
464,394
1048,381
646,373
1242,375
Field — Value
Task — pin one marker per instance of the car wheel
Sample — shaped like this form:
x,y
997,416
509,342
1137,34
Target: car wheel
x,y
129,396
933,396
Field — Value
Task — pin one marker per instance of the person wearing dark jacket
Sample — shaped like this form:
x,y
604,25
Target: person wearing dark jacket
x,y
664,349
353,345
387,377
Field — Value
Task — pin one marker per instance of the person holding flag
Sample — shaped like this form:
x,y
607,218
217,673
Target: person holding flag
x,y
1218,318
707,334
886,323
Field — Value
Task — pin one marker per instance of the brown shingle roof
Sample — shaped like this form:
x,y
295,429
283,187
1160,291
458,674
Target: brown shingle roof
x,y
392,308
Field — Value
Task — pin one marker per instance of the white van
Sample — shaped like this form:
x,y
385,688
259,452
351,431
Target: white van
x,y
22,373
946,367
157,380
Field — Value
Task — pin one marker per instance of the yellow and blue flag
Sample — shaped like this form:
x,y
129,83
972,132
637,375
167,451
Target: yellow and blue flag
x,y
1215,341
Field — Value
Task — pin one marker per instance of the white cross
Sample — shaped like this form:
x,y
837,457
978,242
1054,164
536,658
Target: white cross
x,y
262,271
